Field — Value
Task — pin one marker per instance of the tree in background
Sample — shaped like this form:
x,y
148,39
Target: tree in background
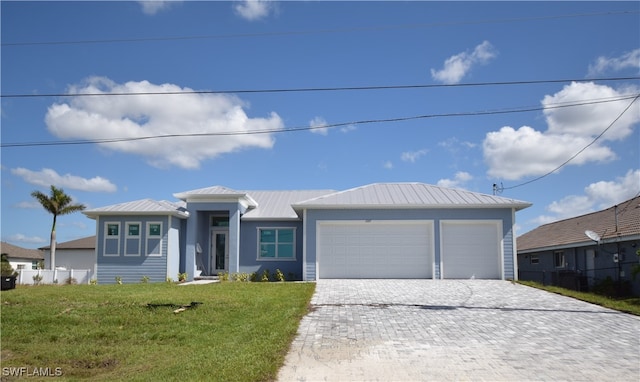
x,y
56,203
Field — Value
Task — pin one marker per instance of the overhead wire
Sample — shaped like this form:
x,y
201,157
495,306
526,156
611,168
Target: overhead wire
x,y
324,126
635,98
323,89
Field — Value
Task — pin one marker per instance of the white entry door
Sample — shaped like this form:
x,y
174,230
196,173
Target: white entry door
x,y
219,253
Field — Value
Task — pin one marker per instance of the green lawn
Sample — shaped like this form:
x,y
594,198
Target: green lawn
x,y
240,332
627,305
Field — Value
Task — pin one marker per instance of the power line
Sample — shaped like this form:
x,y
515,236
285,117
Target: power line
x,y
318,31
635,98
328,89
328,126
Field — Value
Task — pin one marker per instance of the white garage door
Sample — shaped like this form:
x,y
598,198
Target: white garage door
x,y
471,249
377,249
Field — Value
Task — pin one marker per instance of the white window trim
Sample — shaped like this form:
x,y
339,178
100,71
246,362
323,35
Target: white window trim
x,y
107,237
537,259
149,237
127,237
258,258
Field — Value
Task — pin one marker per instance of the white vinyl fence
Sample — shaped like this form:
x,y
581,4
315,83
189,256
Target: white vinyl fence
x,y
58,276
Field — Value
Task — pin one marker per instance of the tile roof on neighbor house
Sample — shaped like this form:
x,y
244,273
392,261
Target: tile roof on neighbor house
x,y
408,195
571,232
146,206
15,252
88,242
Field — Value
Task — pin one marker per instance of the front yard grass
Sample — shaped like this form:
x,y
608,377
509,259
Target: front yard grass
x,y
240,332
627,305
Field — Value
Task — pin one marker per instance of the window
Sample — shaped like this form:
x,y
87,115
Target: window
x,y
111,239
276,243
132,241
154,239
20,266
534,259
558,259
34,265
219,221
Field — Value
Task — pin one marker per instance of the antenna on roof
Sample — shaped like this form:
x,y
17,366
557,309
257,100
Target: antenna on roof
x,y
497,190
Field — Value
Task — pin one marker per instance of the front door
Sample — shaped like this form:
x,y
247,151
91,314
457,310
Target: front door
x,y
219,260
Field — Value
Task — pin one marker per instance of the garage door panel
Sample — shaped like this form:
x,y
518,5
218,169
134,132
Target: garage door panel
x,y
471,250
375,250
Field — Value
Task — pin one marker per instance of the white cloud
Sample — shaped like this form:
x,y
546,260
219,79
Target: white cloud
x,y
412,156
20,238
32,204
253,9
151,7
597,196
457,66
138,117
47,177
513,154
459,179
387,165
317,124
608,64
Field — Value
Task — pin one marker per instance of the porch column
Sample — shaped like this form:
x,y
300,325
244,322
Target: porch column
x,y
234,241
189,265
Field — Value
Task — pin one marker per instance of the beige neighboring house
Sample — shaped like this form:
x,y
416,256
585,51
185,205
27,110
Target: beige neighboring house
x,y
74,254
21,258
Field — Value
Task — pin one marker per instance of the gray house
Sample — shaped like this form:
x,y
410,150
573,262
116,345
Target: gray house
x,y
584,251
73,254
386,230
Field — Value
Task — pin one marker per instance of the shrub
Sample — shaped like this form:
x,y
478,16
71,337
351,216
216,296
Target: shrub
x,y
7,269
93,281
182,277
144,279
118,280
70,281
279,275
265,275
37,278
223,276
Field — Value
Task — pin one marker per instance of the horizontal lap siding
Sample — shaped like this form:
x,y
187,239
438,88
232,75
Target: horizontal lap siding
x,y
131,269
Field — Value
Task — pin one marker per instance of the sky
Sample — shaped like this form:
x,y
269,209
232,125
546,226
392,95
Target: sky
x,y
538,98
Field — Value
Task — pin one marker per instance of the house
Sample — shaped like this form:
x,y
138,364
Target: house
x,y
383,230
21,258
74,254
583,251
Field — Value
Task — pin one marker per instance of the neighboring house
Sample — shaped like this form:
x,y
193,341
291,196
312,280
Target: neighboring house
x,y
21,258
562,253
74,254
386,230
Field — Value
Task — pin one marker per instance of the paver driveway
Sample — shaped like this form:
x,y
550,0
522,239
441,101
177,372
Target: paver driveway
x,y
444,330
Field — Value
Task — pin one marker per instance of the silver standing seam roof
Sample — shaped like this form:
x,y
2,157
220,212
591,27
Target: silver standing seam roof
x,y
276,205
145,206
409,195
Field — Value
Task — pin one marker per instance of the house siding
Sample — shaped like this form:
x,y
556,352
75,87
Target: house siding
x,y
130,268
435,215
249,263
603,267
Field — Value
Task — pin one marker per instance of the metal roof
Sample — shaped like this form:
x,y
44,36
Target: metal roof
x,y
217,193
14,252
277,204
144,206
409,195
571,232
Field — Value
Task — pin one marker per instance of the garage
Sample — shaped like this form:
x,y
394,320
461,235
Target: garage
x,y
471,249
375,249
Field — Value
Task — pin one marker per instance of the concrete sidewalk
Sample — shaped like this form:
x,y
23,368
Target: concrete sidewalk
x,y
451,330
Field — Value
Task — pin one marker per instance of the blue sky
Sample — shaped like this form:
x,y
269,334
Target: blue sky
x,y
467,136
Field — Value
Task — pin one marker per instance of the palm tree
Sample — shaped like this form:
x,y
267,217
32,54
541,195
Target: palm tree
x,y
57,203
